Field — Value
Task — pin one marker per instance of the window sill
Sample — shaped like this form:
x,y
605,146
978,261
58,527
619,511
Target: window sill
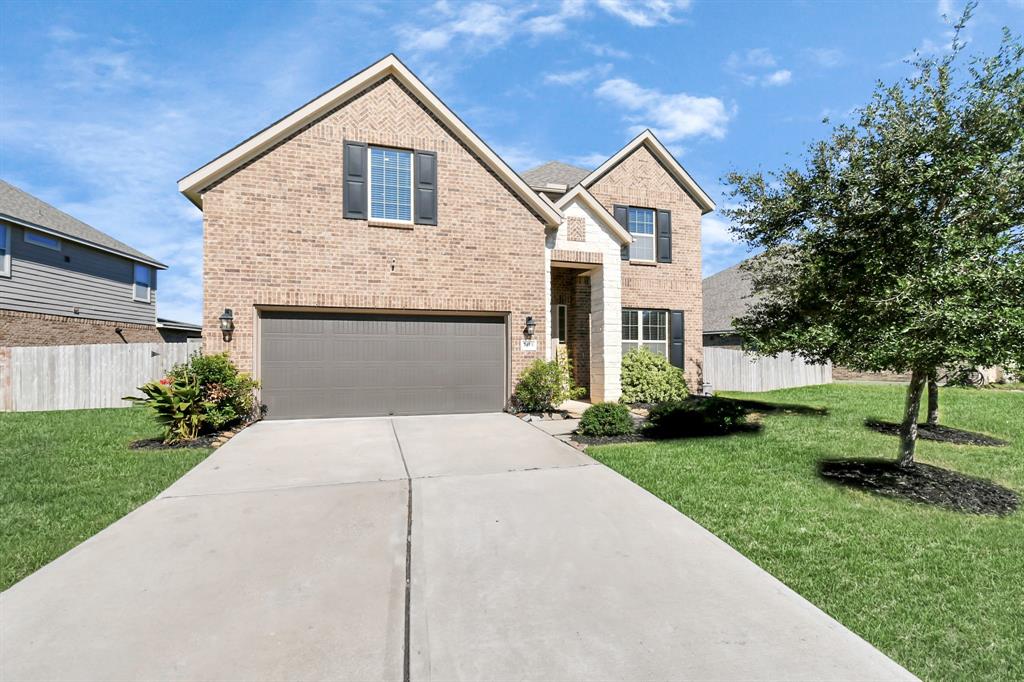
x,y
644,263
392,225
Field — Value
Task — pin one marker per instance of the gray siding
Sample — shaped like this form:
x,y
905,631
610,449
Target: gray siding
x,y
99,284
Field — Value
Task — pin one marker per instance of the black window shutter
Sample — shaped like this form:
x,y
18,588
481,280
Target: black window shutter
x,y
664,236
355,180
621,214
425,182
675,353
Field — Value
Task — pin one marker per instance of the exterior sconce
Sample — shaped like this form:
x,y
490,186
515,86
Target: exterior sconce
x,y
530,327
227,323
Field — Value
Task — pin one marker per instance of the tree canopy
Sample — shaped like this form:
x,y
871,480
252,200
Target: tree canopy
x,y
899,245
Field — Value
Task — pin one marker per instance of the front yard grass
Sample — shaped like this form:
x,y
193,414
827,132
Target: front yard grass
x,y
67,475
940,592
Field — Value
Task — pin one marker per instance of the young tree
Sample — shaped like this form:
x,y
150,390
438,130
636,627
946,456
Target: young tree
x,y
900,244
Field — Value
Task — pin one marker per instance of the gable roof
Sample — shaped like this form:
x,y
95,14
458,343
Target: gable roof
x,y
726,297
583,195
198,180
554,173
20,207
647,139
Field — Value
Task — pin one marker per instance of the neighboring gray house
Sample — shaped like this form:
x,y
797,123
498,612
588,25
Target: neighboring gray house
x,y
172,331
726,297
63,282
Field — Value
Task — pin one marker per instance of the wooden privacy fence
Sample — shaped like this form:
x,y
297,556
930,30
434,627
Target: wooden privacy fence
x,y
727,369
36,378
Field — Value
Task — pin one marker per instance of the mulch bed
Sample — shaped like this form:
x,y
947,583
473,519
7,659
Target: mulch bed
x,y
605,440
943,434
157,444
923,483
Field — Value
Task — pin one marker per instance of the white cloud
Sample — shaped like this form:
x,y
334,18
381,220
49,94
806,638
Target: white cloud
x,y
646,13
614,53
673,117
551,24
481,25
577,76
780,77
520,157
758,57
591,160
826,57
719,249
757,66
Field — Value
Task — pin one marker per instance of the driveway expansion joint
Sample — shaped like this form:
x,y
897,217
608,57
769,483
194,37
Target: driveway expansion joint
x,y
406,653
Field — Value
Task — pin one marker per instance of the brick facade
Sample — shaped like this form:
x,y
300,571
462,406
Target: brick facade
x,y
37,329
641,180
275,236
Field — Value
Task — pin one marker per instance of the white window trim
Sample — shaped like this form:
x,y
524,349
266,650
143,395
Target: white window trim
x,y
640,340
31,233
562,312
653,236
369,186
149,287
5,262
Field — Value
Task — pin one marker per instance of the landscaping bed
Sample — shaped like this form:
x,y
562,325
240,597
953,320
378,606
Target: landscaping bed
x,y
924,484
937,590
943,434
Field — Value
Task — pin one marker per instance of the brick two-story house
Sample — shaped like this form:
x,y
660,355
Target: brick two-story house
x,y
378,257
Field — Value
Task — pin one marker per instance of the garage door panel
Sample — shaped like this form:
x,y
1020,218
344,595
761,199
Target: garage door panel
x,y
321,365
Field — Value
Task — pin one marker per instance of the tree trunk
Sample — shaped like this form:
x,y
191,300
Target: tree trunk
x,y
933,399
908,431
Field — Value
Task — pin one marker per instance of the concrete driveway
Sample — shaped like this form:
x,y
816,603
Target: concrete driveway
x,y
285,556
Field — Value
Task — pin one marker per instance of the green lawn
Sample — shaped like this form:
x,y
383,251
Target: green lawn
x,y
67,475
940,592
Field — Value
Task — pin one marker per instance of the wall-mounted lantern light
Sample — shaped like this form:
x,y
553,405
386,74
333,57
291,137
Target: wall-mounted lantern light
x,y
530,326
227,323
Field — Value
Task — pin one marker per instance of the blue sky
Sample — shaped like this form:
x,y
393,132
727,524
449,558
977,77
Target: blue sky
x,y
103,106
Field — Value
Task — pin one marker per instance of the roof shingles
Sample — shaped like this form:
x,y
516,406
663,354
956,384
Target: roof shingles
x,y
555,172
23,208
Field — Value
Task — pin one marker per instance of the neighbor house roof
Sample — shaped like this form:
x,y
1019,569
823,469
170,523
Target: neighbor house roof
x,y
657,149
20,207
726,297
555,173
164,323
193,184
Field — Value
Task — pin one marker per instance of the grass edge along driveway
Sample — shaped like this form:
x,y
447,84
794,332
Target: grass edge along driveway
x,y
68,475
938,591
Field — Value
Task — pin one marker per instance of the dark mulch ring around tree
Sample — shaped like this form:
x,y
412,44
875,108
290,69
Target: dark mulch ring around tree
x,y
942,434
922,483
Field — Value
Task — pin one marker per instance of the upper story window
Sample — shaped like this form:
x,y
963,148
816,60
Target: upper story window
x,y
5,251
142,286
641,227
390,184
43,240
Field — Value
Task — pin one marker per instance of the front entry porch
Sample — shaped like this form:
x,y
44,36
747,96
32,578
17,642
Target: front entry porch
x,y
570,315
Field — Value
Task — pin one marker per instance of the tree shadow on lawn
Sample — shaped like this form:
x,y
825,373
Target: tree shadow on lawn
x,y
938,432
922,483
780,408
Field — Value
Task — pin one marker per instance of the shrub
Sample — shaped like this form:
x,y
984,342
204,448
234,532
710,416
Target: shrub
x,y
228,392
606,419
178,406
650,378
569,389
695,417
543,385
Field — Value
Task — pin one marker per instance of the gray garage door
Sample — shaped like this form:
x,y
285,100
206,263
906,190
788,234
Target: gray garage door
x,y
352,365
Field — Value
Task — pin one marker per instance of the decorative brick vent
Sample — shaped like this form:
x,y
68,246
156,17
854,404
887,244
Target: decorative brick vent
x,y
577,229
